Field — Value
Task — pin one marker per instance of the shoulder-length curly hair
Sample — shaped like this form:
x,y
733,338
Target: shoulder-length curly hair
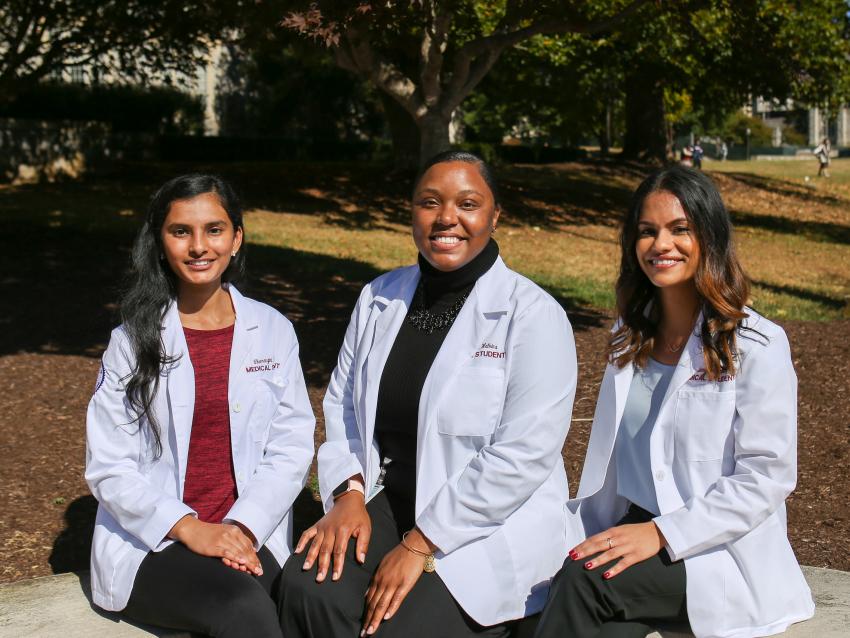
x,y
721,284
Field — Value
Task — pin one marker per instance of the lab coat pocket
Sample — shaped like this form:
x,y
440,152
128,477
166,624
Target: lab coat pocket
x,y
473,404
703,424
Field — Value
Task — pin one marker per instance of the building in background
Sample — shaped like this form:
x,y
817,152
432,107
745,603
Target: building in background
x,y
204,83
814,123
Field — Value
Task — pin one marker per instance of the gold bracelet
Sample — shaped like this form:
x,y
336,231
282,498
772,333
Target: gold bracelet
x,y
430,564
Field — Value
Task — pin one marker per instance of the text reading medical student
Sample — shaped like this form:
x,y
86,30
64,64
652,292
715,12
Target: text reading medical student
x,y
200,433
692,451
448,408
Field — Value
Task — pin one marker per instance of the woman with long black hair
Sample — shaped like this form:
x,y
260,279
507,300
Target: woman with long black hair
x,y
692,451
199,433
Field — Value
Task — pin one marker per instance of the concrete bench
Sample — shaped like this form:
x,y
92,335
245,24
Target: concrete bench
x,y
60,607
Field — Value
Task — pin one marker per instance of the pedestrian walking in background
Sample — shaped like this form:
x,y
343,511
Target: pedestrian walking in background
x,y
821,151
698,152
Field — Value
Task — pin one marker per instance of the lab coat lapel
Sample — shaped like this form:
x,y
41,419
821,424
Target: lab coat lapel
x,y
244,335
180,388
622,382
392,310
488,300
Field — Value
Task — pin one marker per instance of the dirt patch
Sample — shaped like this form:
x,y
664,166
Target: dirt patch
x,y
47,513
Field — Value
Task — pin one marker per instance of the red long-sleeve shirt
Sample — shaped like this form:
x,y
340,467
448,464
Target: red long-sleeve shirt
x,y
210,486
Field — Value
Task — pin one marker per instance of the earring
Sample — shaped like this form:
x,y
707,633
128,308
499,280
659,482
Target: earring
x,y
493,230
233,254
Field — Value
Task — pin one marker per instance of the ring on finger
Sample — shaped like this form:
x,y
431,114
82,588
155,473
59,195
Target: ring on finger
x,y
610,542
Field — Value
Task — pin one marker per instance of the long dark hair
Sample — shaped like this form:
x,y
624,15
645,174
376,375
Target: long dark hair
x,y
721,284
153,286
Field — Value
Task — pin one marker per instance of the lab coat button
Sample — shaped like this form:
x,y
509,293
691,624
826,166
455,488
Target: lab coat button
x,y
660,475
237,407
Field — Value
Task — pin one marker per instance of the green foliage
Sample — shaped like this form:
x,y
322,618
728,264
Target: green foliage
x,y
280,86
129,39
709,57
125,108
552,90
735,127
790,135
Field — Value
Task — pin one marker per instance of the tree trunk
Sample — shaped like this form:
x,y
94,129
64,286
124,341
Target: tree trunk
x,y
646,136
605,137
404,133
434,136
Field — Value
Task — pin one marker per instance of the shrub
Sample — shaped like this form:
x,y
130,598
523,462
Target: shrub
x,y
125,108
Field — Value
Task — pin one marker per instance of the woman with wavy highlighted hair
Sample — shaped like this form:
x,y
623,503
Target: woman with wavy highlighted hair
x,y
692,451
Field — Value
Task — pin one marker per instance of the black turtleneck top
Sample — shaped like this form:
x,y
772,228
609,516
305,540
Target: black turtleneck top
x,y
408,364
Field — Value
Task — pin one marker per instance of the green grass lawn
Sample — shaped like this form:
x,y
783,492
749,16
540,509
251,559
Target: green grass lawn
x,y
795,170
337,225
560,229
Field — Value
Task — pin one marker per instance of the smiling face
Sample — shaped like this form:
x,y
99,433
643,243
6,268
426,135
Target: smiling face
x,y
453,214
666,248
198,239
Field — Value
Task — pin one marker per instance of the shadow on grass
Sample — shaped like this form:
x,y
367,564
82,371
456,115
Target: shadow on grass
x,y
817,231
786,188
590,193
371,196
62,272
806,295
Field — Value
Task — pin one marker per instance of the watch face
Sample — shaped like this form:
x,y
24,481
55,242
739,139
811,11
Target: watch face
x,y
340,489
430,564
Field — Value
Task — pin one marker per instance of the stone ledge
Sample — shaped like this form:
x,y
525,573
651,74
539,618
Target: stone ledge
x,y
831,591
60,607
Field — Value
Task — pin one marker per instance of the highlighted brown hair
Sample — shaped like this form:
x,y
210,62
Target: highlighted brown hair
x,y
721,284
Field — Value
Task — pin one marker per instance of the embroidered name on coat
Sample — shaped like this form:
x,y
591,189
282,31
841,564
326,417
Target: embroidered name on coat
x,y
262,365
490,351
702,375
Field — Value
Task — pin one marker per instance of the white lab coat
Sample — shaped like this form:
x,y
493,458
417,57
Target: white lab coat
x,y
139,498
724,458
493,415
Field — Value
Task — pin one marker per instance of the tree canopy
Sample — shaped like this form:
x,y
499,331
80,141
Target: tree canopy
x,y
131,39
573,67
429,55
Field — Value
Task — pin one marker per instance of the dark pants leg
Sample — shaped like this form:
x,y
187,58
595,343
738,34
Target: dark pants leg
x,y
180,589
582,604
318,610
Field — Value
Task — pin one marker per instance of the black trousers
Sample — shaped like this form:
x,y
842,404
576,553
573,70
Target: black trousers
x,y
582,604
320,610
179,589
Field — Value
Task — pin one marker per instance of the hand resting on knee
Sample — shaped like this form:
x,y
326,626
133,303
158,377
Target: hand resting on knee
x,y
221,540
330,535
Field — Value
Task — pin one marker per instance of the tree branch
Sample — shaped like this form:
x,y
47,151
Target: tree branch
x,y
385,75
470,67
434,43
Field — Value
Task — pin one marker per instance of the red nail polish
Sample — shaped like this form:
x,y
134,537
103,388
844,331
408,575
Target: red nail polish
x,y
588,565
606,575
573,554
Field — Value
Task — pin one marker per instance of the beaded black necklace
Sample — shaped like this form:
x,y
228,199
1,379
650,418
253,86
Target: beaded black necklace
x,y
429,322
